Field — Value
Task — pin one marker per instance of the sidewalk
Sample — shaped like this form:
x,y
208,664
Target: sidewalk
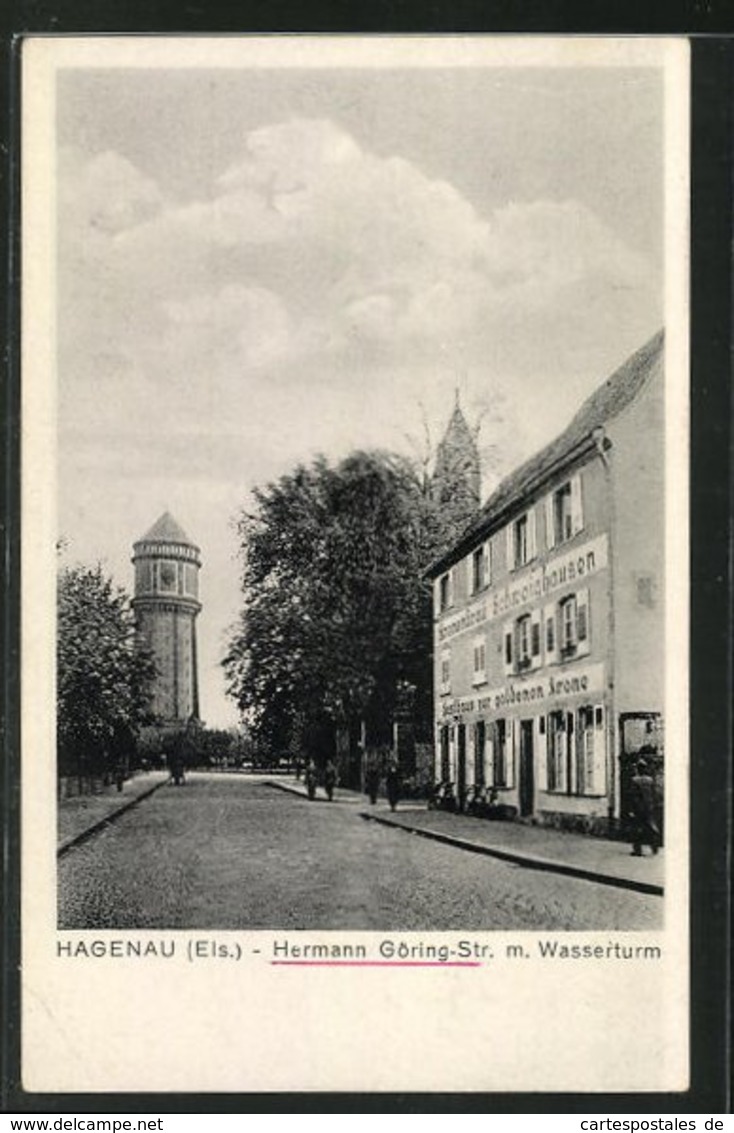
x,y
83,815
602,860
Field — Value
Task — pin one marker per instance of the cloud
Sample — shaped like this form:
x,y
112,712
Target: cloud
x,y
106,193
315,265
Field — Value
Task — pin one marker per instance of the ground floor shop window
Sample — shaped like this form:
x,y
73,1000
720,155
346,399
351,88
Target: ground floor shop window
x,y
558,747
502,754
591,751
576,751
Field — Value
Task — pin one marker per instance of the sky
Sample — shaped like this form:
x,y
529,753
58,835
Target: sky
x,y
257,264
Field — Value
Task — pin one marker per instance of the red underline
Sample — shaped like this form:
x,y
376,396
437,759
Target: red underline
x,y
376,963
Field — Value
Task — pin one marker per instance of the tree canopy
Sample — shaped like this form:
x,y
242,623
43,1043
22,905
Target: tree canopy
x,y
336,623
103,672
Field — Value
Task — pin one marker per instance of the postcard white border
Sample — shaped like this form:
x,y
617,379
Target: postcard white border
x,y
156,1025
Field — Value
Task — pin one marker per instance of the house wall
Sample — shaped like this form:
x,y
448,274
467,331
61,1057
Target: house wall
x,y
526,702
637,463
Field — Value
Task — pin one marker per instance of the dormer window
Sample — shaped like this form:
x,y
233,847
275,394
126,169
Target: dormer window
x,y
521,547
480,568
445,592
563,512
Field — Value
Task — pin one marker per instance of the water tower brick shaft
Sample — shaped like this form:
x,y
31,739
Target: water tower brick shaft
x,y
166,605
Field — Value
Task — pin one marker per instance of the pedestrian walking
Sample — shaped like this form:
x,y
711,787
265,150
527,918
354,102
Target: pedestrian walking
x,y
177,769
330,779
310,779
645,830
372,782
392,784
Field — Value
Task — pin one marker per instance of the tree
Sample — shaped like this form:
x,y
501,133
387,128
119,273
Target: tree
x,y
336,624
103,673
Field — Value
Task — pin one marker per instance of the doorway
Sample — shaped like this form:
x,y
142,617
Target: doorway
x,y
527,779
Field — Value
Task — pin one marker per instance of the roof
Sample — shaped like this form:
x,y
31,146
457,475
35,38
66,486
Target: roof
x,y
166,530
617,392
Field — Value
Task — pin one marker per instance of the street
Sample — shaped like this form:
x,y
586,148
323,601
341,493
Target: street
x,y
231,852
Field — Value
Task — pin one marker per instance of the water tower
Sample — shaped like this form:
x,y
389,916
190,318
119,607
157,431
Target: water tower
x,y
166,604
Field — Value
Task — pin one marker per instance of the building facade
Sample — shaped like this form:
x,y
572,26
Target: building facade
x,y
549,619
166,605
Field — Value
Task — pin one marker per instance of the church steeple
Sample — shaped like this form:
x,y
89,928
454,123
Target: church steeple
x,y
456,480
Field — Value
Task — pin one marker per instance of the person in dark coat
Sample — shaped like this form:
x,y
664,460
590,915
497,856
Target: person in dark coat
x,y
310,779
372,782
643,810
330,779
177,766
392,784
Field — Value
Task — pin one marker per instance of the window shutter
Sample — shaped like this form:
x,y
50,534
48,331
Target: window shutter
x,y
507,654
451,585
550,524
487,564
532,540
563,740
512,744
445,675
551,635
510,532
536,631
480,661
541,748
452,754
489,757
582,621
577,513
599,786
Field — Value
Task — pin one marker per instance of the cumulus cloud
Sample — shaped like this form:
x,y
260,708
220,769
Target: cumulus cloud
x,y
316,262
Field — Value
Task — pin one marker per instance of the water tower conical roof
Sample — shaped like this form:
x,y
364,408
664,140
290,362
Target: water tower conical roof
x,y
167,530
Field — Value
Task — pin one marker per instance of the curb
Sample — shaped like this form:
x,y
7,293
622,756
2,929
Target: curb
x,y
528,860
302,794
77,839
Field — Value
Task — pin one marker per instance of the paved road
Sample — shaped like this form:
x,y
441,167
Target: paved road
x,y
226,852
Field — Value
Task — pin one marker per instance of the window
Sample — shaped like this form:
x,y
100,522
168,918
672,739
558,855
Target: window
x,y
191,579
521,541
563,512
574,618
576,760
480,662
563,527
522,648
143,577
568,625
591,751
480,568
521,546
445,592
558,752
523,642
167,576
